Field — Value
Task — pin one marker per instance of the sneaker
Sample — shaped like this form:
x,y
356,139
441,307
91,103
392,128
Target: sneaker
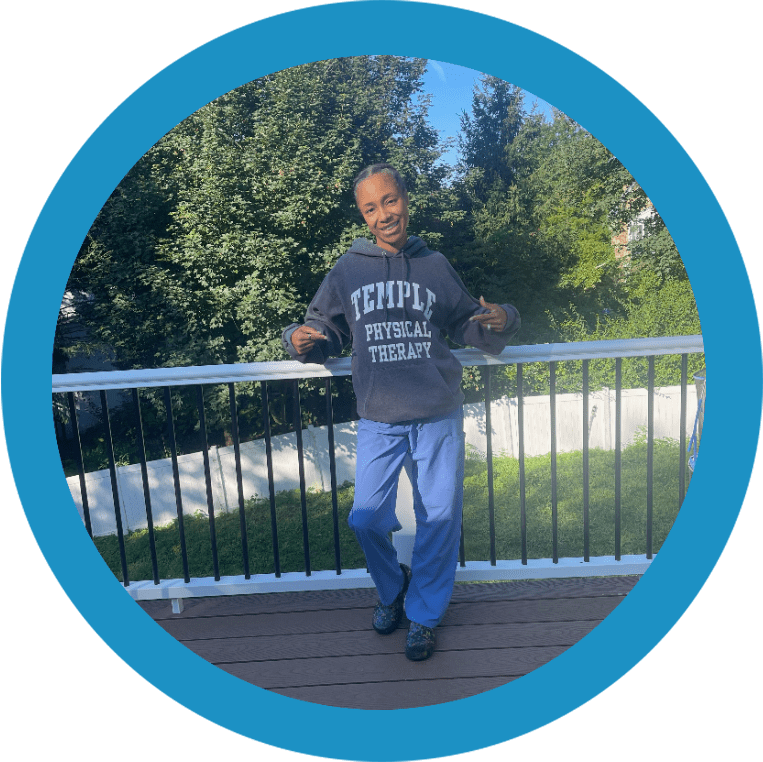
x,y
420,642
387,618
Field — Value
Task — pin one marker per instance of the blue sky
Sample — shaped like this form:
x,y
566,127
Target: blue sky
x,y
451,87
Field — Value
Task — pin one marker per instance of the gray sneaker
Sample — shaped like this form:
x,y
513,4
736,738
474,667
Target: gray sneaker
x,y
387,618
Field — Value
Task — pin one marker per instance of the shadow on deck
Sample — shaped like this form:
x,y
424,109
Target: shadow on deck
x,y
319,646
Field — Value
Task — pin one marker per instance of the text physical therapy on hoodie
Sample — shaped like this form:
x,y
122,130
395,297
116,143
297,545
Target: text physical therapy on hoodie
x,y
397,329
397,320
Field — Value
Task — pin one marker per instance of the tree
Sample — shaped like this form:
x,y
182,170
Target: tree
x,y
544,201
220,234
488,134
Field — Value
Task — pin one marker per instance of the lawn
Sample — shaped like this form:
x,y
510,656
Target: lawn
x,y
667,456
570,503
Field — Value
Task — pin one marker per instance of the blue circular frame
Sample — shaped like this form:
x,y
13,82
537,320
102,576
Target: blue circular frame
x,y
701,233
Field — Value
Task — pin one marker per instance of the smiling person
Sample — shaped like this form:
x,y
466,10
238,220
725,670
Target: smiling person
x,y
396,301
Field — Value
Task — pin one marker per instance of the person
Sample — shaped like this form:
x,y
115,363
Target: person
x,y
395,301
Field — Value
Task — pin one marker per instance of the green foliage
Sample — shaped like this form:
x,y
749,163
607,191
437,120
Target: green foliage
x,y
650,309
542,228
222,232
220,235
488,134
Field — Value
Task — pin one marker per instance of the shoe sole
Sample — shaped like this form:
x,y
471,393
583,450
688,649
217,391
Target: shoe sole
x,y
419,654
390,629
419,657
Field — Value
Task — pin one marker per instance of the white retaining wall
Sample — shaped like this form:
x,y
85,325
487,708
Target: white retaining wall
x,y
537,412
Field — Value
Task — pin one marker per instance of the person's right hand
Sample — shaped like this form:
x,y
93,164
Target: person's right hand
x,y
303,339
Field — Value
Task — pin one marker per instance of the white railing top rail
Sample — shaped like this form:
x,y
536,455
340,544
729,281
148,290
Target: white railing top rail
x,y
290,369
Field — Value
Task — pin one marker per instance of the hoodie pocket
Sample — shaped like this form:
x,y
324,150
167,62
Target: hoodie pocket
x,y
409,392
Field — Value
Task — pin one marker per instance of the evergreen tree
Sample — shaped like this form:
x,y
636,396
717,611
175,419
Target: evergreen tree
x,y
488,134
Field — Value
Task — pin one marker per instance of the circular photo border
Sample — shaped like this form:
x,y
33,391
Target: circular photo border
x,y
671,181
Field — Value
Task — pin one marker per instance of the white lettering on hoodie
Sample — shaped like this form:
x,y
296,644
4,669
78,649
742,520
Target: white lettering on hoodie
x,y
394,293
399,351
397,329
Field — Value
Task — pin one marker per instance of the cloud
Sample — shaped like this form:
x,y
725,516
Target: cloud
x,y
440,71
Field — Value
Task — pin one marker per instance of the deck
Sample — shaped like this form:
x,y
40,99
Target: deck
x,y
319,646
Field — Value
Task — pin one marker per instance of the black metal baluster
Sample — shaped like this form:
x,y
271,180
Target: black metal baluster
x,y
114,488
332,471
650,460
176,480
141,444
239,480
490,494
586,474
208,480
682,433
554,500
80,464
302,488
618,455
521,432
271,481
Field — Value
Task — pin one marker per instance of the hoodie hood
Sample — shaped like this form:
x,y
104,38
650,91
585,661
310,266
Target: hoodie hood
x,y
413,247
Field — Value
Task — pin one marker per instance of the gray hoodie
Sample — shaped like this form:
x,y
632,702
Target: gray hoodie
x,y
397,309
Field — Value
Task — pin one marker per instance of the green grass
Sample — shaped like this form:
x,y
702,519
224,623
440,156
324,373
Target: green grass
x,y
570,503
476,523
229,551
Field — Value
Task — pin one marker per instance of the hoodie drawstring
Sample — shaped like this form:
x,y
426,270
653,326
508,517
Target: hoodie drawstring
x,y
386,276
405,269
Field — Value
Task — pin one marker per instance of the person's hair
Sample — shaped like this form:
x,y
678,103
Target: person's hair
x,y
374,169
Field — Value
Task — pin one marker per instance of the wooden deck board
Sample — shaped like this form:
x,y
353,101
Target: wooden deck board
x,y
319,646
395,695
223,650
379,668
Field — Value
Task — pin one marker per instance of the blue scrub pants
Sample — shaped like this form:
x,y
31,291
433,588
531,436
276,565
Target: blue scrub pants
x,y
433,453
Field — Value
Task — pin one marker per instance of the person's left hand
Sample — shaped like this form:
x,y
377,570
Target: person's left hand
x,y
495,320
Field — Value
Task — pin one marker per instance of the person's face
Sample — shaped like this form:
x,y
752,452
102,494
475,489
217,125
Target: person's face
x,y
385,210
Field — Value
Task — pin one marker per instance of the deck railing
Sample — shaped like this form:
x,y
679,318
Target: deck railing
x,y
267,373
